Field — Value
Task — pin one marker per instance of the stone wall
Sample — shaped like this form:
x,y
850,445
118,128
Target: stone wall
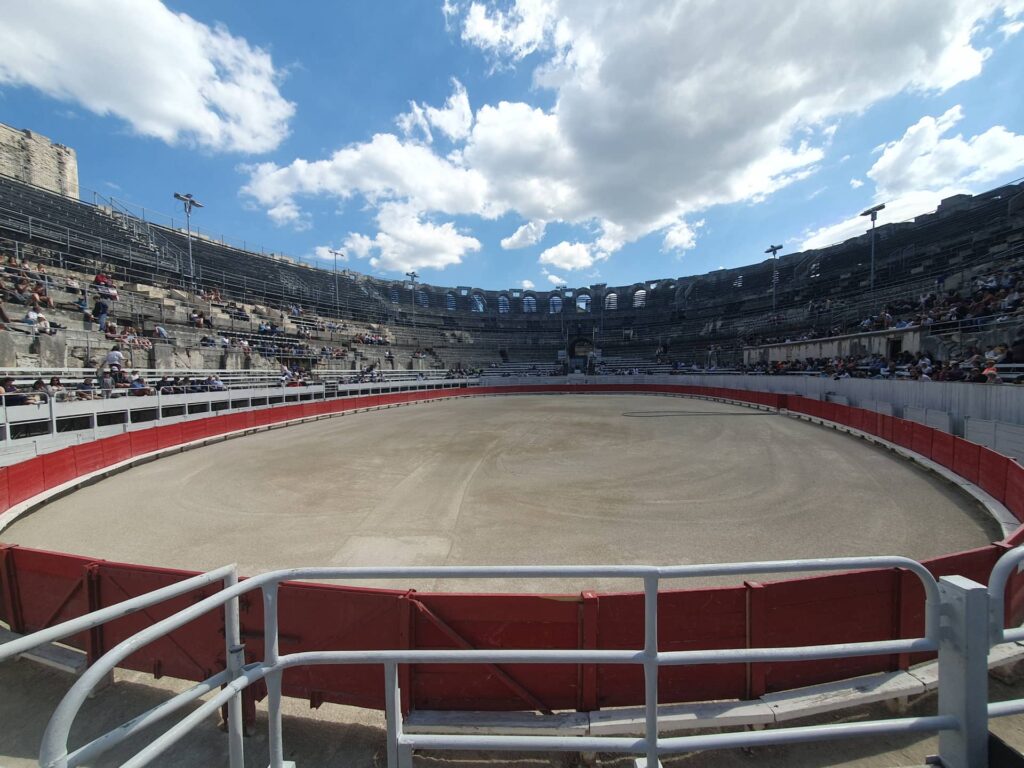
x,y
34,159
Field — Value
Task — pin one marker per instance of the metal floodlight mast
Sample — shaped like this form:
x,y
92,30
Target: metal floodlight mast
x,y
413,277
873,213
189,203
774,249
336,254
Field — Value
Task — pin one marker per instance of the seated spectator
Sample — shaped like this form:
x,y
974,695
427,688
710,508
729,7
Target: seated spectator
x,y
138,386
86,390
10,392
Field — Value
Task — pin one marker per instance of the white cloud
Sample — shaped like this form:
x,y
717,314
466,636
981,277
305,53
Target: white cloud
x,y
516,34
556,280
568,255
383,169
405,241
327,252
528,285
681,236
531,233
651,124
454,119
915,172
166,74
856,183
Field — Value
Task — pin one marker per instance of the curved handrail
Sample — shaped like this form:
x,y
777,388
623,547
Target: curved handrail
x,y
53,751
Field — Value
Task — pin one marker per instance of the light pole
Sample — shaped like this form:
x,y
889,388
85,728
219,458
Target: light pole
x,y
873,213
189,202
336,254
774,249
413,277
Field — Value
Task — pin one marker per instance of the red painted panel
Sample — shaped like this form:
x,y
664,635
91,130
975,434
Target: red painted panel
x,y
903,433
169,436
216,425
966,456
495,621
943,445
1014,495
360,619
838,608
89,457
59,467
193,430
885,427
50,589
117,449
992,468
262,417
190,653
144,441
922,442
722,624
5,501
25,479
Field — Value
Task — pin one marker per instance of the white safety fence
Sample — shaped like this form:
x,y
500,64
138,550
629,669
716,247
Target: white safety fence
x,y
29,429
963,620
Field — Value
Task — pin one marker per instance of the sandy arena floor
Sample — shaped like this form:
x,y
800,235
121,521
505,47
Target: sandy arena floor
x,y
518,480
532,479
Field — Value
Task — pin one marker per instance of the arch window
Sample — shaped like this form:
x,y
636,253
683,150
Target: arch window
x,y
503,306
583,303
451,303
611,301
477,303
529,304
554,305
640,299
422,299
393,295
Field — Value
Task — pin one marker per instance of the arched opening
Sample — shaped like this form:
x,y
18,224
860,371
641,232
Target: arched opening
x,y
477,303
422,300
640,299
451,302
581,348
611,301
529,304
583,303
554,305
503,305
393,295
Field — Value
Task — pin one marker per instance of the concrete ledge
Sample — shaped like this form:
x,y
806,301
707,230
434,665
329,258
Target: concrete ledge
x,y
50,655
710,714
770,709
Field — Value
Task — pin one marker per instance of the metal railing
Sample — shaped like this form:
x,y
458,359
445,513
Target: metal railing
x,y
947,623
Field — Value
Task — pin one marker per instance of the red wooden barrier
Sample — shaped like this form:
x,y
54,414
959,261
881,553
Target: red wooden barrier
x,y
24,480
89,457
966,456
5,501
922,441
40,588
992,468
943,445
903,433
59,467
144,441
117,448
1014,494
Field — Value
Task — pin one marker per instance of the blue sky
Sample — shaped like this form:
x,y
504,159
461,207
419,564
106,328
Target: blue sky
x,y
546,141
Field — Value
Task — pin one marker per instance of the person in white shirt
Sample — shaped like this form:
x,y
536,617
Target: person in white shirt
x,y
114,357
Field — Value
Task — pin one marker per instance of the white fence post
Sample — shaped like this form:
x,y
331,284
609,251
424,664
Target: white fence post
x,y
963,672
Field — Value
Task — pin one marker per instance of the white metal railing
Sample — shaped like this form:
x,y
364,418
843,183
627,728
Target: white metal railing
x,y
952,622
40,422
